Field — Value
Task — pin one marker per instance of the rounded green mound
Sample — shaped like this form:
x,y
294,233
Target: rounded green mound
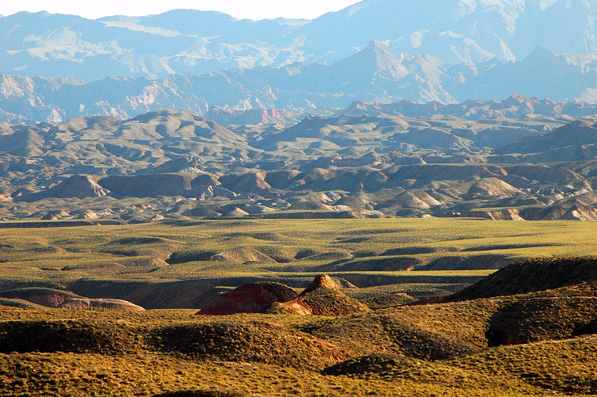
x,y
532,275
371,364
532,319
65,336
253,342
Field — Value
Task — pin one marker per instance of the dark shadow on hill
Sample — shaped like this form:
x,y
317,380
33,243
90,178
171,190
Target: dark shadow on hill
x,y
371,264
65,336
475,262
247,342
532,275
200,393
540,317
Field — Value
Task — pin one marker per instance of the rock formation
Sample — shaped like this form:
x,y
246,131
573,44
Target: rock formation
x,y
321,297
62,299
249,298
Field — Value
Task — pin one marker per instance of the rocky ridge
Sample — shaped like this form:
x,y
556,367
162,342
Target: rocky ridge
x,y
61,299
321,297
346,166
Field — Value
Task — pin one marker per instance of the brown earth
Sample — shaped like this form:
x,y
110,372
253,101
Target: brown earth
x,y
111,304
498,215
321,298
249,298
532,275
62,299
41,296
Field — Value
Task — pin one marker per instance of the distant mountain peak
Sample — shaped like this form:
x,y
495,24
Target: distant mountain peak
x,y
377,44
201,42
540,52
379,48
377,57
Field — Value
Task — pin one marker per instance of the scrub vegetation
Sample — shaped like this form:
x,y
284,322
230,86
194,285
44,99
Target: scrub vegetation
x,y
534,338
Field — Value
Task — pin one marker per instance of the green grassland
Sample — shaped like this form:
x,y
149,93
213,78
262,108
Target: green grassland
x,y
427,350
279,248
450,349
418,257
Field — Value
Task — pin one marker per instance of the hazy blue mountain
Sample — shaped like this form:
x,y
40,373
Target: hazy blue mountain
x,y
514,107
195,42
43,44
458,30
543,74
374,74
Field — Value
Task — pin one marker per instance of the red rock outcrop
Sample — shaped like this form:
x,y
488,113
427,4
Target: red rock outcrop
x,y
111,304
323,281
66,300
249,298
322,298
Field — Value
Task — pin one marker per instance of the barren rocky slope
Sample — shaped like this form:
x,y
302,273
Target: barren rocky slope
x,y
195,42
375,74
352,165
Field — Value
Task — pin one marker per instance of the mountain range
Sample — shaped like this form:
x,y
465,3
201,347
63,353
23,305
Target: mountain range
x,y
57,67
177,164
380,109
195,42
373,75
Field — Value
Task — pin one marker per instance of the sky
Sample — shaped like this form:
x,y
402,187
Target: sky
x,y
253,9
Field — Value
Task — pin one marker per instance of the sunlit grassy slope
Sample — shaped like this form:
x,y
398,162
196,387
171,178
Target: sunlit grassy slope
x,y
284,248
439,349
402,351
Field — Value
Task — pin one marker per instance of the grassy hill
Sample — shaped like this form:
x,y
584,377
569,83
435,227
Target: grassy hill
x,y
527,329
182,264
447,348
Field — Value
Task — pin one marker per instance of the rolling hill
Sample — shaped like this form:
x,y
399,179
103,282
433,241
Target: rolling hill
x,y
356,164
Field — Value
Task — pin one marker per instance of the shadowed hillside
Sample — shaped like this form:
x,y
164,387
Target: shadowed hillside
x,y
354,165
533,275
534,343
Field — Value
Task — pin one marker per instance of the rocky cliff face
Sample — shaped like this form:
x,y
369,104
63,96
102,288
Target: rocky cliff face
x,y
249,298
249,117
78,186
194,42
61,299
248,96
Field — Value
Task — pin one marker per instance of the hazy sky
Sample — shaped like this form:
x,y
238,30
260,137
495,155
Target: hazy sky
x,y
253,9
